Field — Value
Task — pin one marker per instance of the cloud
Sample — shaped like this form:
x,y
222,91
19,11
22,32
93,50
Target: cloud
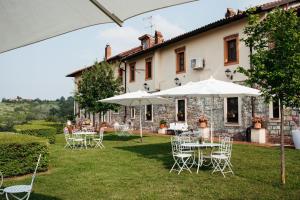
x,y
120,38
167,28
125,38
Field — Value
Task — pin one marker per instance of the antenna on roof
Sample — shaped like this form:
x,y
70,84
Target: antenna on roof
x,y
150,25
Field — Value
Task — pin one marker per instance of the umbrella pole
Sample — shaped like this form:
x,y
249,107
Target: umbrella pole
x,y
211,120
141,128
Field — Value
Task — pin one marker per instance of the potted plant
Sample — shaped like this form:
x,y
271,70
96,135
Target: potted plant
x,y
162,123
257,122
203,121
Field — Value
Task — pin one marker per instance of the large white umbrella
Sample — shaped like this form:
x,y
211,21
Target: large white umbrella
x,y
137,98
209,88
23,22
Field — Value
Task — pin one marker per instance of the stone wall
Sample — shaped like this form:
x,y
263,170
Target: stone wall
x,y
199,106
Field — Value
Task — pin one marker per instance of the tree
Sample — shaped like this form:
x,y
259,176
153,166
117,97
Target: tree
x,y
275,41
98,83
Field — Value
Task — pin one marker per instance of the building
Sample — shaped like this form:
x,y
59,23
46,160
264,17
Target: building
x,y
212,50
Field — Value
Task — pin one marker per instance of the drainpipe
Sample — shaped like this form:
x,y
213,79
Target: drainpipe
x,y
125,84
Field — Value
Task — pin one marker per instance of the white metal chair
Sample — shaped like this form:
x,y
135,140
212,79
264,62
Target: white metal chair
x,y
99,139
221,158
180,156
1,182
79,140
21,189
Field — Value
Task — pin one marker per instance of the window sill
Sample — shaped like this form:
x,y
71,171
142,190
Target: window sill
x,y
180,72
232,124
148,79
231,63
275,120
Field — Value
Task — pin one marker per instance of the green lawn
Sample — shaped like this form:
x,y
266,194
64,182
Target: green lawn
x,y
127,169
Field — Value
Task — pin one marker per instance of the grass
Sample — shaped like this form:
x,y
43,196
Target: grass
x,y
128,169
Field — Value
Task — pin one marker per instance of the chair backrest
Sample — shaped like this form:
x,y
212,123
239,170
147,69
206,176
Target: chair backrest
x,y
1,181
175,145
36,167
226,145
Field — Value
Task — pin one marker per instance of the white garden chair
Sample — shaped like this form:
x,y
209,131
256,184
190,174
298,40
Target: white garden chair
x,y
1,182
69,140
99,139
13,191
79,141
221,158
180,156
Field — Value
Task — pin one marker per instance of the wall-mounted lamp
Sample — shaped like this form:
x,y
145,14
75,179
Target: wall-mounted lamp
x,y
229,74
146,87
177,81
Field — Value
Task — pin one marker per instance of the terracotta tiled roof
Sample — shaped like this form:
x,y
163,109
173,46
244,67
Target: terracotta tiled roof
x,y
137,51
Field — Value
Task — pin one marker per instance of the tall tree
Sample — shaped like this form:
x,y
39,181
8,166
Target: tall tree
x,y
97,83
276,61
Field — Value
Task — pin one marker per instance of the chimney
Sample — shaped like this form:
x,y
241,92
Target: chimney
x,y
107,52
230,13
158,37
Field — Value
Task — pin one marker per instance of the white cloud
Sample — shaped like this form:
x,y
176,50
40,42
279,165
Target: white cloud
x,y
125,38
120,38
167,28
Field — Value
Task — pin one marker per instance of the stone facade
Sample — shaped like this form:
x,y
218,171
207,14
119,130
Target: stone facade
x,y
197,106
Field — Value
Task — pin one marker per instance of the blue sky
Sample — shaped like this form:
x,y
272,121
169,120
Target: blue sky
x,y
38,70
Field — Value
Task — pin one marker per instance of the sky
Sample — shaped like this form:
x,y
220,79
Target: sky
x,y
39,70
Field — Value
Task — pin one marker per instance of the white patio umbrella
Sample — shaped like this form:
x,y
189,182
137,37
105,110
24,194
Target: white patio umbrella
x,y
137,98
209,88
23,22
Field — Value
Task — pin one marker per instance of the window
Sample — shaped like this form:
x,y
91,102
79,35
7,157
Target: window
x,y
144,44
180,60
232,110
132,112
274,109
148,71
231,50
149,112
132,72
116,112
181,110
120,74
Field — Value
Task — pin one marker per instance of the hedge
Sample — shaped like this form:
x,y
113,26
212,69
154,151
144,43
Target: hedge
x,y
19,154
57,125
37,130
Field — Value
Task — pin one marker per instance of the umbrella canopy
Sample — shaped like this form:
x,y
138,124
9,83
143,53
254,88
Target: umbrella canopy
x,y
26,22
209,88
137,98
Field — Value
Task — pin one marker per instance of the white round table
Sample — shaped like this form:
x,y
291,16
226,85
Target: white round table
x,y
200,146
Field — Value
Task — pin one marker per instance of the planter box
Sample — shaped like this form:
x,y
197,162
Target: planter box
x,y
204,132
258,135
162,130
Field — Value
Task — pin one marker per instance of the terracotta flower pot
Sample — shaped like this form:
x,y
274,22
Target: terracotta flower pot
x,y
203,124
257,125
161,126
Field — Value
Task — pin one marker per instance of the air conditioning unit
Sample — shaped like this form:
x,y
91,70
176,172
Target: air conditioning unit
x,y
198,64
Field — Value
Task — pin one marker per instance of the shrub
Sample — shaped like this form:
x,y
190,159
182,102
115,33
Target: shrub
x,y
57,125
37,130
19,153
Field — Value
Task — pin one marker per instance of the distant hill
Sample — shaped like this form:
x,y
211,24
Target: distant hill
x,y
20,112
